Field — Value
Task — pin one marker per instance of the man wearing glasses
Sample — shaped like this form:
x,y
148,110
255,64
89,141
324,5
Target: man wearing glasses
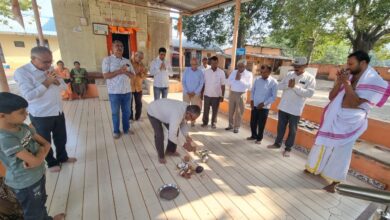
x,y
39,85
297,86
263,94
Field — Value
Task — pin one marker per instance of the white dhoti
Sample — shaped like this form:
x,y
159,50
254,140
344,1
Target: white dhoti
x,y
341,127
332,163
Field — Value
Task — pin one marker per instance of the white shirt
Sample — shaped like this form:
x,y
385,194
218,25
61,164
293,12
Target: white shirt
x,y
213,82
42,101
201,67
161,77
241,85
170,112
293,99
119,84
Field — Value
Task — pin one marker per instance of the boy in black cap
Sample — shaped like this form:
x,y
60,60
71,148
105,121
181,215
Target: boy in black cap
x,y
23,152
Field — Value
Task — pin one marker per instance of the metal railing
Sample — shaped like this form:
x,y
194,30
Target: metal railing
x,y
373,195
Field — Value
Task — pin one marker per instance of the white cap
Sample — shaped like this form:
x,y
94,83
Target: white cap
x,y
299,61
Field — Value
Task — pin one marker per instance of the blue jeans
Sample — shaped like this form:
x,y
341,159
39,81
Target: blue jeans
x,y
285,118
120,102
33,199
163,91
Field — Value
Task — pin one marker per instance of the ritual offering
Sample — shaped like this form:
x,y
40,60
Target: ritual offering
x,y
199,169
168,191
203,155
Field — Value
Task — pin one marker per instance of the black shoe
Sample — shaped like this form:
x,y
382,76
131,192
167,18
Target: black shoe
x,y
235,130
250,138
228,128
273,146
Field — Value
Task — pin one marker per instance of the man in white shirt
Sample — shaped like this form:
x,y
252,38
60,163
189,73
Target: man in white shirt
x,y
39,85
173,114
297,86
240,81
161,70
213,92
205,66
117,71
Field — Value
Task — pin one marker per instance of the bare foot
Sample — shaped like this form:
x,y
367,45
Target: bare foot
x,y
71,160
60,216
55,169
162,160
331,188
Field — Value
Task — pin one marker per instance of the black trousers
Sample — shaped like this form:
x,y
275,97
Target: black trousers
x,y
258,121
53,126
137,97
285,118
159,137
214,103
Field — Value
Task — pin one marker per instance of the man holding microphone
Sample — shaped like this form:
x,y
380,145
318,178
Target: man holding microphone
x,y
117,71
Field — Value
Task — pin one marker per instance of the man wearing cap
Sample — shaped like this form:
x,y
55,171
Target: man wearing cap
x,y
297,86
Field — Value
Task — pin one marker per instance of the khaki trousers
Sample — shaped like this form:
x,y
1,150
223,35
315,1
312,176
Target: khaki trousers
x,y
236,108
194,100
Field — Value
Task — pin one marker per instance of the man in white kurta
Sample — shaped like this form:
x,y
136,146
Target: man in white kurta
x,y
356,91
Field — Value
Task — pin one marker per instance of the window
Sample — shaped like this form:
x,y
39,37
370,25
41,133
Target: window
x,y
46,43
19,43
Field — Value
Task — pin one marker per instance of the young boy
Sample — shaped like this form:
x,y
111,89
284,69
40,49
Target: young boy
x,y
23,152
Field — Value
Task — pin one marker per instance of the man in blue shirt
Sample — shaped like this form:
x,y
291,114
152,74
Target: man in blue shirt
x,y
263,94
193,81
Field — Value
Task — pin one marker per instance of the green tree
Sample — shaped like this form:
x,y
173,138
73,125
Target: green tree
x,y
365,24
217,26
301,24
6,9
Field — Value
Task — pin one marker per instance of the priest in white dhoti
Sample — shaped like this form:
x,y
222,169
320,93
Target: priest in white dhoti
x,y
357,90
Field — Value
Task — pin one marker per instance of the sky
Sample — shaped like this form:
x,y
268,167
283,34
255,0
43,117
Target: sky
x,y
47,21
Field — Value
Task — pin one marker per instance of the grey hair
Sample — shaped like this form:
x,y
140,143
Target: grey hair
x,y
242,61
117,42
193,109
138,53
194,58
36,51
